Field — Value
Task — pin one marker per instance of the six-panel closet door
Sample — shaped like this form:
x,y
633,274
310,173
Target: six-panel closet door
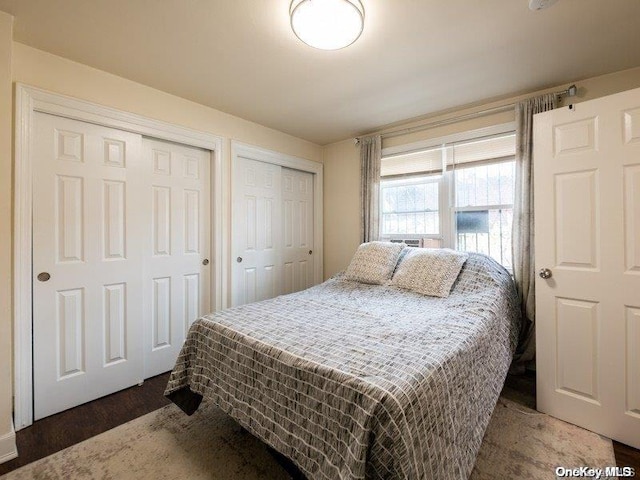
x,y
256,231
297,231
177,269
88,215
121,244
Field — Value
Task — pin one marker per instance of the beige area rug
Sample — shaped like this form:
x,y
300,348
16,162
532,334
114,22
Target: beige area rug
x,y
520,444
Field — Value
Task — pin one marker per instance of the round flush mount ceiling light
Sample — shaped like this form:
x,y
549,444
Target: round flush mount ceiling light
x,y
540,4
327,24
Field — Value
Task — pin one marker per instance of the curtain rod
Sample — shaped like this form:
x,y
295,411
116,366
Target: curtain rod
x,y
569,92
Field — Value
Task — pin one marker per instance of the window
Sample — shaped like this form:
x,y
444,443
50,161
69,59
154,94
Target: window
x,y
411,206
457,195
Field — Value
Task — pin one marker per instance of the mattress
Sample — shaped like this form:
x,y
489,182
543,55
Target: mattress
x,y
355,381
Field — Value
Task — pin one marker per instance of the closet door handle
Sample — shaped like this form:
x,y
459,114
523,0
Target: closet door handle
x,y
239,259
44,276
205,262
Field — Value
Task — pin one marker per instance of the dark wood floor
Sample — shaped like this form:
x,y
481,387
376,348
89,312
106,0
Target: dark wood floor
x,y
67,428
60,431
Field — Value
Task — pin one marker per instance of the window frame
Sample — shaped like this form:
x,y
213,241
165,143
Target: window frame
x,y
446,184
406,181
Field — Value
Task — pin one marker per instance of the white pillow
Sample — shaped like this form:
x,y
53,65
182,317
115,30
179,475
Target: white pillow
x,y
429,271
374,262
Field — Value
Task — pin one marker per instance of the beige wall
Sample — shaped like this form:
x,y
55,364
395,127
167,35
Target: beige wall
x,y
7,439
342,163
44,70
341,204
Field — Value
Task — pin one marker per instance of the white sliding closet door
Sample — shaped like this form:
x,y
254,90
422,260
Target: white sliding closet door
x,y
88,215
121,244
272,230
177,270
297,230
587,204
257,231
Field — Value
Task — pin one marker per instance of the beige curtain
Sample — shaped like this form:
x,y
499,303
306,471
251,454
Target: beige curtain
x,y
370,159
523,220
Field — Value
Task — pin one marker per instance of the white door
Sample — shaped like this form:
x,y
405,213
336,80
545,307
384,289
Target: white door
x,y
256,231
177,269
587,204
297,230
87,262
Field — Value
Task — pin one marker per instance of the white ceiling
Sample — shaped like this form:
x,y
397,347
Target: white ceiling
x,y
414,57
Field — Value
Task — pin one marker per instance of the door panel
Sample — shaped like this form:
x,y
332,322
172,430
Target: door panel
x,y
176,283
577,218
587,160
631,174
577,331
632,354
87,212
115,298
70,323
297,218
256,235
115,225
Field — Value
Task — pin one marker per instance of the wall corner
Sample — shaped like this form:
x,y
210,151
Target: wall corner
x,y
7,431
8,449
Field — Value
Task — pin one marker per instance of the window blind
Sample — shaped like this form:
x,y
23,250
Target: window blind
x,y
421,162
486,149
433,160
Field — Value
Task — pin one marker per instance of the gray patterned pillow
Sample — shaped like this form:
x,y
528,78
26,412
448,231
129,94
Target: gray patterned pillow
x,y
374,262
429,271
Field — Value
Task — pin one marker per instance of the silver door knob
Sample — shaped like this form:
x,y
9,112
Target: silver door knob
x,y
205,262
44,276
545,273
239,259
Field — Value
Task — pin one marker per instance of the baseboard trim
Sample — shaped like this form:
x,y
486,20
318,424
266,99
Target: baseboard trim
x,y
8,450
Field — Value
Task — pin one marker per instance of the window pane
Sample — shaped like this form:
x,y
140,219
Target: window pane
x,y
486,231
484,185
493,184
507,182
410,207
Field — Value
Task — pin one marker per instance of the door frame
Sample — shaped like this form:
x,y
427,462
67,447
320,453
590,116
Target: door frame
x,y
30,100
251,152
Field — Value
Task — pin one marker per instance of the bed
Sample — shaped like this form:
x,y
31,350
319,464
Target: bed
x,y
355,381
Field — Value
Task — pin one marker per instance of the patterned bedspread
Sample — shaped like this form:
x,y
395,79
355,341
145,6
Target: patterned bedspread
x,y
354,381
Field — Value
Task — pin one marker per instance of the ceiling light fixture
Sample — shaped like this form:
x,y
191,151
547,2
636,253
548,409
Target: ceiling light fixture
x,y
327,24
540,4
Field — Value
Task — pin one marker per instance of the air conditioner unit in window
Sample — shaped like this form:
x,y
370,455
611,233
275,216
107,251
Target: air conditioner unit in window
x,y
411,242
424,242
